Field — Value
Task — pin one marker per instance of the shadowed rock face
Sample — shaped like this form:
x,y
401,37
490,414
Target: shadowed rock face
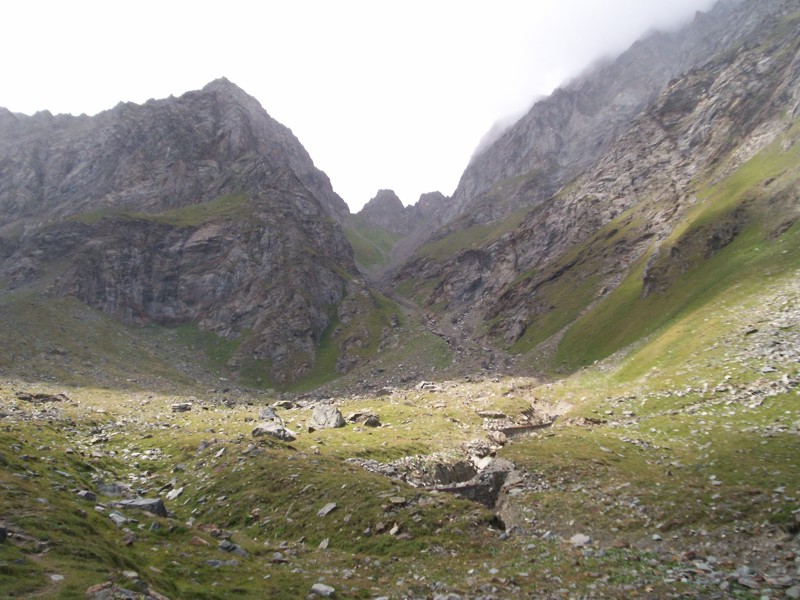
x,y
193,209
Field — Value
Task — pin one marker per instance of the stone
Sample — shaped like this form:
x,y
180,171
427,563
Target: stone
x,y
113,489
112,591
793,592
368,419
579,540
323,545
323,590
172,494
41,398
274,430
497,437
326,416
151,505
87,495
229,546
327,509
118,518
284,404
198,541
181,407
268,414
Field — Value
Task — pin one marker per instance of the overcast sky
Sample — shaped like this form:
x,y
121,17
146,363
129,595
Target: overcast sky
x,y
382,94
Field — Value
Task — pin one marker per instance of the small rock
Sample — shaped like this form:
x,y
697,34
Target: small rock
x,y
327,509
174,493
198,541
268,414
228,546
497,437
278,558
320,589
749,582
323,545
118,518
87,495
580,540
151,505
793,592
181,407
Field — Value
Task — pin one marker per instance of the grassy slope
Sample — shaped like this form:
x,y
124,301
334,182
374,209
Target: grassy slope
x,y
371,245
741,267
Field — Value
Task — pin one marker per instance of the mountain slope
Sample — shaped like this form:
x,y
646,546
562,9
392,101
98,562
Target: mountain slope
x,y
653,209
563,134
194,210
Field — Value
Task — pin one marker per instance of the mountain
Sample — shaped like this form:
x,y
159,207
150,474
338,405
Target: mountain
x,y
705,170
385,233
593,396
198,211
561,135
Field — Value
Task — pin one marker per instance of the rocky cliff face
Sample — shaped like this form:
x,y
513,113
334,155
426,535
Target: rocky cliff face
x,y
200,209
639,198
563,134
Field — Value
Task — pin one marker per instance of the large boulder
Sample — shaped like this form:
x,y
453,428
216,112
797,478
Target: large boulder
x,y
326,416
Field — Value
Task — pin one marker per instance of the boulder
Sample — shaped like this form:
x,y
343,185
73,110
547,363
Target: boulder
x,y
320,589
268,414
151,505
326,416
368,419
181,407
273,429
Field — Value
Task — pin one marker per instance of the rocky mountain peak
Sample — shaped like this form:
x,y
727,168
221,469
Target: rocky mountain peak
x,y
199,209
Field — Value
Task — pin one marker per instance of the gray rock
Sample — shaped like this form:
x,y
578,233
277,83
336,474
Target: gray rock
x,y
326,416
368,419
113,489
181,407
229,546
118,518
580,540
151,505
327,509
87,495
793,592
321,589
172,494
274,430
268,414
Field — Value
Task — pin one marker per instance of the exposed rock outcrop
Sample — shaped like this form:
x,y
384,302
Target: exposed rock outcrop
x,y
199,209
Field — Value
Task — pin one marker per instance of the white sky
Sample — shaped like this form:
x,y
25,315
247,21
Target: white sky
x,y
382,94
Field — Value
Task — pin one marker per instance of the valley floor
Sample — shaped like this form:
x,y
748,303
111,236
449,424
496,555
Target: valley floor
x,y
670,471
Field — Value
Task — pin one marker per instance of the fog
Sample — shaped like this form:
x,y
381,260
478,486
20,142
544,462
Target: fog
x,y
381,94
